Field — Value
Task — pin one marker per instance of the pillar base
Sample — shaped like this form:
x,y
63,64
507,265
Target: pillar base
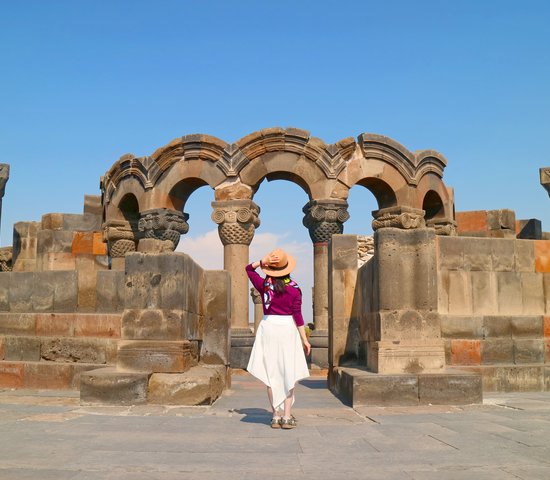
x,y
242,340
319,349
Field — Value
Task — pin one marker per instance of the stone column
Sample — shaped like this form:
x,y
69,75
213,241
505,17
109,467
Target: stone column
x,y
4,176
237,221
323,218
258,307
161,229
121,237
404,333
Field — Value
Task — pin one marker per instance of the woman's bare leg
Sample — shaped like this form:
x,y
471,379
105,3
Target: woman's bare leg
x,y
270,396
288,404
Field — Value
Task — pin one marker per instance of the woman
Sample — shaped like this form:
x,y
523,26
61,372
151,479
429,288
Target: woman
x,y
277,357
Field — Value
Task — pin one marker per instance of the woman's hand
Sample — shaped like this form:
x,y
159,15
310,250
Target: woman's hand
x,y
307,347
270,259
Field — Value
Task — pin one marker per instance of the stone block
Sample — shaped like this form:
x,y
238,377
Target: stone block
x,y
460,293
343,252
65,291
46,375
531,326
21,348
517,378
56,261
546,326
12,375
142,281
461,327
495,351
443,291
528,350
201,385
546,291
83,243
24,245
510,300
529,229
54,324
17,324
21,290
92,205
87,281
501,219
484,292
497,326
532,293
87,222
107,386
451,252
478,254
43,291
54,241
409,324
465,352
473,221
216,300
110,291
409,356
74,350
385,390
155,356
503,254
97,325
239,356
450,389
525,255
99,247
5,278
542,255
152,324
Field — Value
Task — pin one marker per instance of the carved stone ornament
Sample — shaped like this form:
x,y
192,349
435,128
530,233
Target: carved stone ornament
x,y
443,226
4,177
121,237
398,217
324,218
237,220
256,297
6,255
164,224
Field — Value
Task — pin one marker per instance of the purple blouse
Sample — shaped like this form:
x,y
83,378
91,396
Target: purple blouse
x,y
287,303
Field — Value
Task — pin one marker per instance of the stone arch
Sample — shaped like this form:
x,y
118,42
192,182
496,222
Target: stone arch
x,y
433,206
383,193
116,204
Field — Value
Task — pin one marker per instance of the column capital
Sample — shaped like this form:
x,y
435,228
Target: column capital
x,y
121,237
442,226
324,218
237,220
4,177
164,224
398,217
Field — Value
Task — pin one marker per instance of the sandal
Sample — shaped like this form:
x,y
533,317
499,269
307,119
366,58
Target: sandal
x,y
288,423
276,422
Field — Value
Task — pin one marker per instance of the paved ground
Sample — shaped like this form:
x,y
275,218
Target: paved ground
x,y
47,435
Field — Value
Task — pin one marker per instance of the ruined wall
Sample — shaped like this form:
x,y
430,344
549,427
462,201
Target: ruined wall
x,y
494,295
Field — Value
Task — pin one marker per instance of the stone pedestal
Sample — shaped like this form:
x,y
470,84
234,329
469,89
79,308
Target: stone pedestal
x,y
242,340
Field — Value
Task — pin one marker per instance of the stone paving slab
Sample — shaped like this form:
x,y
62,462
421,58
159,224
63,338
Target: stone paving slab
x,y
48,435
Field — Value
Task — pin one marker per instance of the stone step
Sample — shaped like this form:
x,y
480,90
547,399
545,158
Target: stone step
x,y
200,385
61,324
43,375
359,387
528,377
26,348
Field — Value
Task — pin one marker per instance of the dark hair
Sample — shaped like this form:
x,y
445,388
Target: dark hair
x,y
279,283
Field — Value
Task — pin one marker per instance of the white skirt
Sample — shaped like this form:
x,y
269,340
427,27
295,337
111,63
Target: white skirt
x,y
277,357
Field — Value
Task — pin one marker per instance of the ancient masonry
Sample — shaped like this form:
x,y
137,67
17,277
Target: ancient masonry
x,y
437,307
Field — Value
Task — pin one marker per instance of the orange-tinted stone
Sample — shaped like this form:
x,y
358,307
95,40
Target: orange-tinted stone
x,y
83,242
465,352
48,375
99,325
546,350
12,374
475,221
49,324
98,246
547,327
542,255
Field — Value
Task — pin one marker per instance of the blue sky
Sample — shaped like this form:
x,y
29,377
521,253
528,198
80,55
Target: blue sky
x,y
84,82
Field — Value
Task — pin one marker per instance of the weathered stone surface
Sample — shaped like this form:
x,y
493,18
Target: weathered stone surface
x,y
497,326
77,350
529,229
460,293
484,292
92,205
478,254
525,255
17,324
152,324
531,326
458,326
109,386
65,291
450,389
532,293
503,254
24,246
110,291
21,290
201,385
497,351
43,291
382,390
45,375
5,278
155,356
465,352
216,306
528,350
510,301
20,348
517,378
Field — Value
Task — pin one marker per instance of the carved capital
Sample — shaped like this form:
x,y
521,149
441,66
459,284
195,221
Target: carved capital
x,y
6,255
443,226
121,237
164,224
4,177
237,220
398,217
324,218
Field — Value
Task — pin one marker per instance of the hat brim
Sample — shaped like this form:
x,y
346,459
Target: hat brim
x,y
280,272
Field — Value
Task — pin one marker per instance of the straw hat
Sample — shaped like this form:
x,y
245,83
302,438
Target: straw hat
x,y
283,267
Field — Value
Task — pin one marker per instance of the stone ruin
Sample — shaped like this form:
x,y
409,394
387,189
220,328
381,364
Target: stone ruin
x,y
436,307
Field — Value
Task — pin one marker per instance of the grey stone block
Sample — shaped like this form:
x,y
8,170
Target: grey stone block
x,y
43,291
109,386
497,326
460,293
5,278
54,241
239,356
17,324
478,254
532,293
65,291
484,292
155,356
528,350
21,348
87,222
21,290
531,326
497,351
343,252
92,205
451,252
525,255
517,378
459,326
450,389
109,290
503,219
74,350
216,300
510,300
152,324
503,254
319,357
